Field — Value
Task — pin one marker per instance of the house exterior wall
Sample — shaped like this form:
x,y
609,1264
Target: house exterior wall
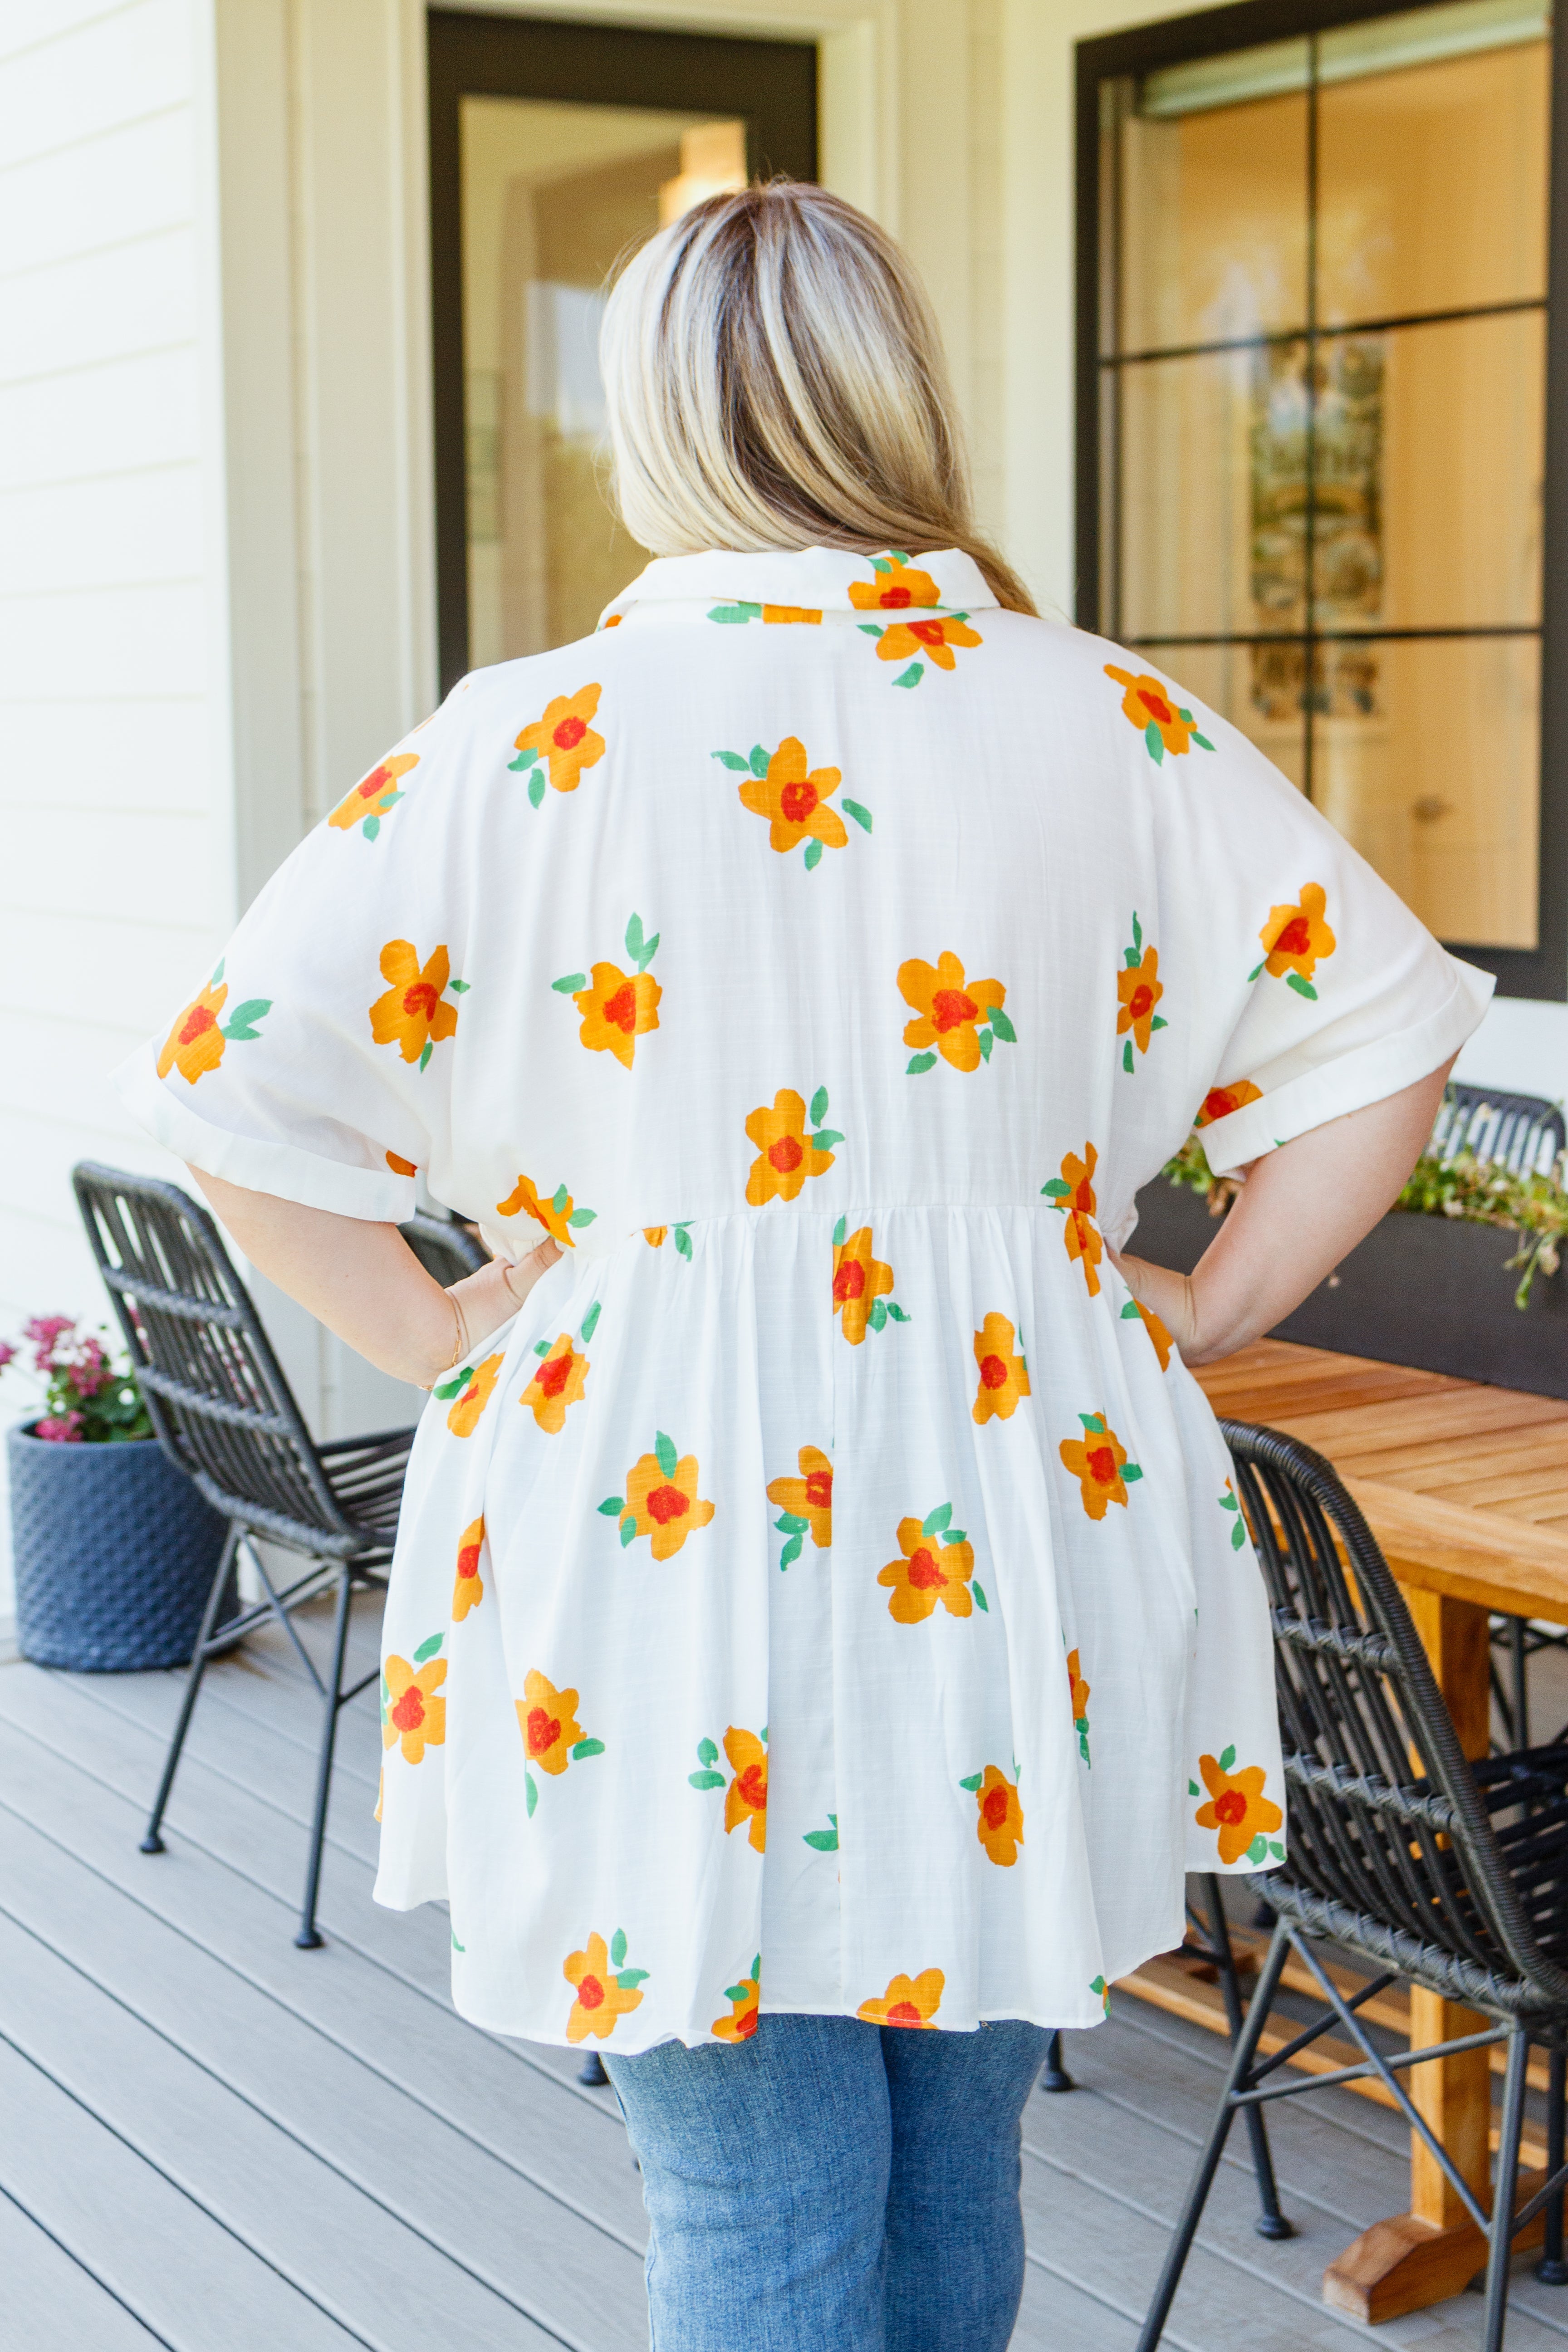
x,y
216,580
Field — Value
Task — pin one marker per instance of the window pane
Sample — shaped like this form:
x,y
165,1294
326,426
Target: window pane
x,y
1456,417
552,193
1436,779
1432,181
1215,222
1214,493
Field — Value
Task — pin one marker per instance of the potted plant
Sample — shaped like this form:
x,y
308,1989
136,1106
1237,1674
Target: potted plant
x,y
1461,1276
114,1549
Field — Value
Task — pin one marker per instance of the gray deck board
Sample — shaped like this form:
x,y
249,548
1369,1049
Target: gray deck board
x,y
222,2142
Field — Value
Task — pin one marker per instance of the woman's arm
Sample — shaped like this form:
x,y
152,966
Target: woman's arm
x,y
363,1282
1301,1209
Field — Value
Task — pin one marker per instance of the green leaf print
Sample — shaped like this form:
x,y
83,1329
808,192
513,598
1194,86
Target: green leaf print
x,y
559,1198
1259,1849
1130,1312
1094,1423
1098,1985
613,1505
459,987
582,1216
618,1948
824,1841
973,1784
825,1138
586,1747
1159,1022
1202,741
878,1314
628,1532
570,983
541,1347
791,1551
1056,1190
731,613
591,1321
1238,1535
1228,1761
818,1111
706,1779
980,1596
641,950
913,676
896,1312
706,1752
683,1240
1155,741
372,825
455,1946
1257,967
862,817
987,1043
839,1230
536,788
788,1525
523,760
917,1063
241,1021
1137,938
733,760
1302,987
531,1791
1194,1789
1276,1851
425,1056
813,854
1127,1056
869,628
956,1535
665,1454
451,1388
629,1978
759,761
939,1519
1003,1026
428,1649
1131,1473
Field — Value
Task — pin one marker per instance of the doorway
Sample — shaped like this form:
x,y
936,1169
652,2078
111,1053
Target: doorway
x,y
554,147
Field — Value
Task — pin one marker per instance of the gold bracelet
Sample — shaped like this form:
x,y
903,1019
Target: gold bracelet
x,y
460,1350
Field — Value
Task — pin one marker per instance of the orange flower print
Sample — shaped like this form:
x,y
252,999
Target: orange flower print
x,y
661,1500
738,615
786,1154
560,1215
1078,1692
1220,1101
563,740
897,586
1296,940
938,1564
1135,1312
605,1986
1137,990
1153,709
1099,1462
778,787
909,2001
470,1387
412,1717
412,1014
1004,1376
373,795
656,1235
744,1998
195,1042
1073,1193
560,1380
961,1021
1000,1823
805,1504
617,1007
551,1735
746,1799
399,1166
1238,1808
860,1286
468,1590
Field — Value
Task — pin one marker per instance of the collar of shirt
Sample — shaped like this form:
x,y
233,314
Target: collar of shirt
x,y
803,584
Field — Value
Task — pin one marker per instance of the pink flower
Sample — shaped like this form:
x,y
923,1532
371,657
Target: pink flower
x,y
7,1354
65,1430
45,1332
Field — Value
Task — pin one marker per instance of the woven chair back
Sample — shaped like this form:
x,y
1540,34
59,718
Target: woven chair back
x,y
220,1405
1524,1132
446,1250
1387,1828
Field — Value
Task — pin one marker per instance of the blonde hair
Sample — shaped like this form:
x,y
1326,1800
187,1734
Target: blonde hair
x,y
774,378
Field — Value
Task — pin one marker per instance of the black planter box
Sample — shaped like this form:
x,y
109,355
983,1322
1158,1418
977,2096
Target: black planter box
x,y
1421,1290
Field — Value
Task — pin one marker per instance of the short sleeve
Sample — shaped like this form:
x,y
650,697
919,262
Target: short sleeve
x,y
1319,991
314,1061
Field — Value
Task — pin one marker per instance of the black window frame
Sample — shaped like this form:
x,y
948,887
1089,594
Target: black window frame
x,y
1541,972
772,85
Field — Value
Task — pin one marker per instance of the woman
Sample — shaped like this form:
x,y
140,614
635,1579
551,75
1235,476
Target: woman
x,y
821,1634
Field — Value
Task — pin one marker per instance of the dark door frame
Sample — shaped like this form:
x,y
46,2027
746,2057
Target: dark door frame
x,y
771,85
1538,971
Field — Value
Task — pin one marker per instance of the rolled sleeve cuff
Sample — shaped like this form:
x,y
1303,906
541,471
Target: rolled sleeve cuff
x,y
1370,1074
379,1196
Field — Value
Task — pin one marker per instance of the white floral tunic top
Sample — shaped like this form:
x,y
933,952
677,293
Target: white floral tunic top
x,y
828,1593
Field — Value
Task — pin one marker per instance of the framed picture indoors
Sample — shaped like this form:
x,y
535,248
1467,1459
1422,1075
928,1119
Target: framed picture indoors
x,y
1322,423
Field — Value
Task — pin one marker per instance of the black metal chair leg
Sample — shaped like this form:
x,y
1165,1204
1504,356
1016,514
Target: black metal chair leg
x,y
1552,2268
151,1842
1187,2229
1054,2076
308,1937
1500,2245
1518,1659
1270,2222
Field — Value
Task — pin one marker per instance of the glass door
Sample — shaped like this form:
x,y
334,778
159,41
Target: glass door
x,y
1320,427
544,173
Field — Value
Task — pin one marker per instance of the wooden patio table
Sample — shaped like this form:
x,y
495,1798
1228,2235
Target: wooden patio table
x,y
1465,1489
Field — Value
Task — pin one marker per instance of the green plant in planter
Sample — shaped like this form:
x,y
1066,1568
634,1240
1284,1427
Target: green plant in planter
x,y
1482,1192
88,1399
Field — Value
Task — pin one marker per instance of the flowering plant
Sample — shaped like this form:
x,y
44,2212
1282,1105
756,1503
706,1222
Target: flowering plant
x,y
88,1399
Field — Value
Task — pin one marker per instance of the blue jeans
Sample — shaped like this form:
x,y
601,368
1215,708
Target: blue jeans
x,y
832,2186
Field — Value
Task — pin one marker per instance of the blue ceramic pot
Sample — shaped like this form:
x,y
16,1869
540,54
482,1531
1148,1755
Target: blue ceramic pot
x,y
115,1551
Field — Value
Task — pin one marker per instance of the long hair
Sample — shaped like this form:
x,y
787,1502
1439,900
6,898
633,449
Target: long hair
x,y
774,378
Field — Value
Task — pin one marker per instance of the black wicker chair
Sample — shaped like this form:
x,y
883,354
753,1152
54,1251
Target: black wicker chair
x,y
1451,1874
223,1414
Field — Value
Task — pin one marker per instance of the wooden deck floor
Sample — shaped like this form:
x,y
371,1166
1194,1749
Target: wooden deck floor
x,y
214,2143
